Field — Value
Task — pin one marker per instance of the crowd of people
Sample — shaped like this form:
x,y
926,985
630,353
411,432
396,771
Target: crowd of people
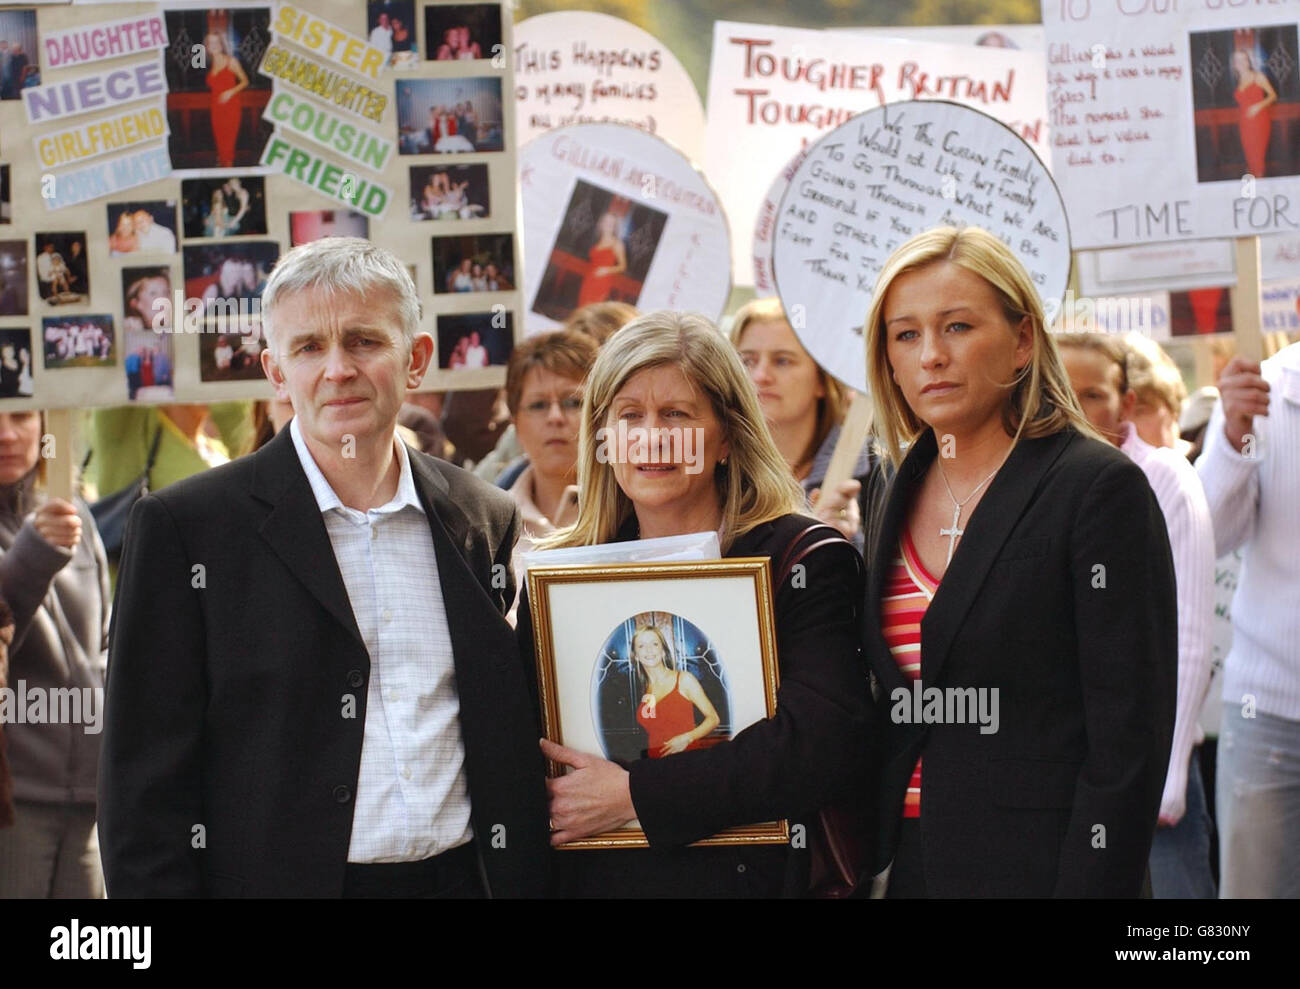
x,y
1028,523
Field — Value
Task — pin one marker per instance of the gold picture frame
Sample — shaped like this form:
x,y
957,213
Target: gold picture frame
x,y
719,616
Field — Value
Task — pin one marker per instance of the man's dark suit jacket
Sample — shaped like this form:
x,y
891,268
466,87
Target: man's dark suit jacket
x,y
1061,596
230,763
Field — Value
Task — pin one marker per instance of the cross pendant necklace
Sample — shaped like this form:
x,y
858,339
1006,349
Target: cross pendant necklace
x,y
953,533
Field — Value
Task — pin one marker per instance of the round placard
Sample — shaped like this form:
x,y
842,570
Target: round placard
x,y
882,177
580,67
613,213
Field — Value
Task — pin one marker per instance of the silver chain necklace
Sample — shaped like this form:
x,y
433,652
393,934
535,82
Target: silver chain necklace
x,y
953,533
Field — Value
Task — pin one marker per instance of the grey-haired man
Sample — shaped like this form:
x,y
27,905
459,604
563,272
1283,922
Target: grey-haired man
x,y
313,689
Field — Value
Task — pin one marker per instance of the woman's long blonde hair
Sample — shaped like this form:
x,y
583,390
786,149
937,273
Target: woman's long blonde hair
x,y
1040,401
754,485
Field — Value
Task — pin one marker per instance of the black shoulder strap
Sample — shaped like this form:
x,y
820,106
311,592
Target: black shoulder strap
x,y
147,475
153,449
148,465
800,547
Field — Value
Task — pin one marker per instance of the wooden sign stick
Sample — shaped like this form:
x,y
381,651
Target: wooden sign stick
x,y
853,434
1247,319
1204,374
60,473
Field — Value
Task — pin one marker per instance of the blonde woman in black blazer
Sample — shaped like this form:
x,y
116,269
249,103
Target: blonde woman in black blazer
x,y
1051,634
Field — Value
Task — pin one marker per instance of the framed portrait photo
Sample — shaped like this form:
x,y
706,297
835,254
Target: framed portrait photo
x,y
645,660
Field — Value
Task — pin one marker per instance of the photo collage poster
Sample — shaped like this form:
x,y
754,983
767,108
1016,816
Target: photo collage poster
x,y
157,159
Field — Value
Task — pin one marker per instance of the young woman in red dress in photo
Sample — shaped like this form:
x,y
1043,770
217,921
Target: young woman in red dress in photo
x,y
226,79
607,258
669,698
1254,95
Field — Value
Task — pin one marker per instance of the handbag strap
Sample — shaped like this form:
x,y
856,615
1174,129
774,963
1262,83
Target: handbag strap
x,y
796,552
148,464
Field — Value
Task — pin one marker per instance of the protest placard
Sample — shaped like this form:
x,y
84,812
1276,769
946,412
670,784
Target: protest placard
x,y
113,203
579,67
1163,126
613,213
884,176
765,225
773,90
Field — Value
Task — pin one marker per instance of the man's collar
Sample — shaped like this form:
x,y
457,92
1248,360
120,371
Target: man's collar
x,y
326,498
1129,440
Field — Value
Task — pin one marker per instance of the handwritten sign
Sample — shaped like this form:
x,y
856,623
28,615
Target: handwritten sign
x,y
884,176
613,213
766,224
1158,132
774,90
1026,36
577,67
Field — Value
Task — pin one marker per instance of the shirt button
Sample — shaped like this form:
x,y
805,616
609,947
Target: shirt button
x,y
374,532
406,772
388,614
342,794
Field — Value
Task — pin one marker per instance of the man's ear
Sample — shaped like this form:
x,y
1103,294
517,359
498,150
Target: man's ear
x,y
274,375
421,356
